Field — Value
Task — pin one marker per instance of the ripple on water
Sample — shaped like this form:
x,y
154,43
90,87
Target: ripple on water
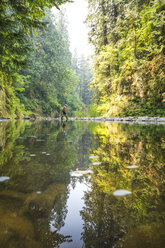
x,y
122,192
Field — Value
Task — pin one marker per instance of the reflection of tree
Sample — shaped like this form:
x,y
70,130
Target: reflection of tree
x,y
81,137
47,208
59,211
54,239
74,180
108,218
27,173
24,218
11,151
101,224
9,132
37,189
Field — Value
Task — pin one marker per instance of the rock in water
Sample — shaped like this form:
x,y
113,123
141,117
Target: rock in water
x,y
122,192
2,179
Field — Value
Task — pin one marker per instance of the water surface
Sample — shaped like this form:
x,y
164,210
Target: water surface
x,y
81,184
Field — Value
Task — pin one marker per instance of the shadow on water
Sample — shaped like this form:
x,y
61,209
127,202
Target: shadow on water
x,y
80,184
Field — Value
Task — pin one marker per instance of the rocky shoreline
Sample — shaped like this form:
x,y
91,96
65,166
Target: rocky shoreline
x,y
130,119
139,120
133,120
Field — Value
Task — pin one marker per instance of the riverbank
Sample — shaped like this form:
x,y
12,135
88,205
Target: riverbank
x,y
140,120
130,119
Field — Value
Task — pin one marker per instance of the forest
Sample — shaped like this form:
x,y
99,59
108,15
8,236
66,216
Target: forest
x,y
38,73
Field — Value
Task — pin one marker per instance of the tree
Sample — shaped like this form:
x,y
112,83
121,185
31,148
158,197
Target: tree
x,y
18,19
51,77
128,70
84,76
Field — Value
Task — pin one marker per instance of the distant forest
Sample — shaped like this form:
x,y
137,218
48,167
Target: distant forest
x,y
38,73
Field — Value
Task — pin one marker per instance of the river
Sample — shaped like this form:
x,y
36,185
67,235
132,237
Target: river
x,y
81,184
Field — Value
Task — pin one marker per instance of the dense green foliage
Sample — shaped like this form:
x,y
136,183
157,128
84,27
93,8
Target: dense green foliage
x,y
36,69
51,82
83,73
128,70
17,20
38,74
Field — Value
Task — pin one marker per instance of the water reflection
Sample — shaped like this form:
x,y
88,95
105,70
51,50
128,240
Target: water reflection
x,y
115,222
45,172
73,221
35,161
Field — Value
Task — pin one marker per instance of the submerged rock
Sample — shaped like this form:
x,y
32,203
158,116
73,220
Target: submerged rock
x,y
151,235
39,204
128,119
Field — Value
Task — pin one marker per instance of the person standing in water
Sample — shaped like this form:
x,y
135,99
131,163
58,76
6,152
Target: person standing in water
x,y
64,112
